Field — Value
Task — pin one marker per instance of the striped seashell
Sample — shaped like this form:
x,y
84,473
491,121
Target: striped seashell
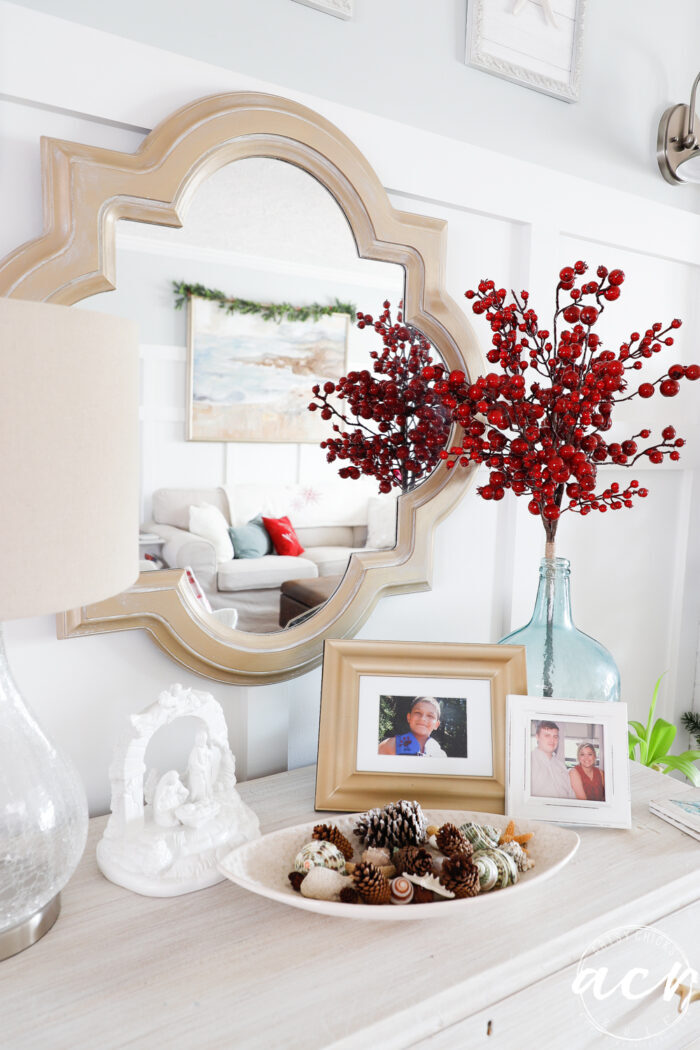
x,y
507,868
481,836
488,871
516,851
319,854
514,875
401,890
491,833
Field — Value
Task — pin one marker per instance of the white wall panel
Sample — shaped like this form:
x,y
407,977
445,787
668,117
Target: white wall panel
x,y
247,462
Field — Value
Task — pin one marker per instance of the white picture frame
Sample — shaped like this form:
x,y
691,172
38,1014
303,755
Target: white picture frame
x,y
535,43
542,781
339,8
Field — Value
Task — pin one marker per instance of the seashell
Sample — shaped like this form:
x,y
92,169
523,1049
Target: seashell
x,y
324,884
481,836
505,865
429,882
516,851
514,875
401,890
488,871
380,856
319,855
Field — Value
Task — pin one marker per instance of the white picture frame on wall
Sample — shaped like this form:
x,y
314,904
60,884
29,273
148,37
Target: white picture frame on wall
x,y
535,43
551,745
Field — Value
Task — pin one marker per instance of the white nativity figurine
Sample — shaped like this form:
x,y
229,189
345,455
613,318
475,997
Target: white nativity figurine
x,y
167,831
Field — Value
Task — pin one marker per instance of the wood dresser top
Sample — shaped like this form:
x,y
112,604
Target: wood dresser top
x,y
225,968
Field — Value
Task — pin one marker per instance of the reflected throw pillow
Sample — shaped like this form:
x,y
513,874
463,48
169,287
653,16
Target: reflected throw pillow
x,y
284,538
251,540
197,590
208,522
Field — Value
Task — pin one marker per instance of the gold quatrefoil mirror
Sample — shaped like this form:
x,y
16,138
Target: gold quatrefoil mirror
x,y
268,229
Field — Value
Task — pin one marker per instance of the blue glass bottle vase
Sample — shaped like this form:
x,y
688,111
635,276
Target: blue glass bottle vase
x,y
561,660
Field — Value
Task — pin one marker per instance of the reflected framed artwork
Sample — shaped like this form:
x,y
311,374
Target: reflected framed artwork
x,y
567,761
418,720
250,378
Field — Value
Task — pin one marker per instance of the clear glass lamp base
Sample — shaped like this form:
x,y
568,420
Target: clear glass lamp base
x,y
31,930
43,822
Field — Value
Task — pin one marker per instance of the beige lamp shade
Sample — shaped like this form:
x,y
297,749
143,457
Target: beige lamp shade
x,y
68,457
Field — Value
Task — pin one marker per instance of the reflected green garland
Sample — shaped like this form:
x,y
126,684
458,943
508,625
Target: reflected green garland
x,y
277,312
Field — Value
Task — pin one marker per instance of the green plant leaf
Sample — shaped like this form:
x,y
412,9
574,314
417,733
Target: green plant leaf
x,y
639,730
662,736
684,766
652,706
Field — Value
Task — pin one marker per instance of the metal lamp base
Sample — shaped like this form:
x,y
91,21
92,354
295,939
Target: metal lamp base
x,y
31,930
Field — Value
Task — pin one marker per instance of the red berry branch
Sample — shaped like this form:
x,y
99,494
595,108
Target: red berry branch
x,y
545,439
392,425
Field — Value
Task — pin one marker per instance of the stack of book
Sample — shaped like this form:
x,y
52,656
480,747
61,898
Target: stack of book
x,y
682,810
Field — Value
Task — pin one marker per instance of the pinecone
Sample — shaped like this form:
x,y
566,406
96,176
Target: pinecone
x,y
398,824
327,833
296,878
460,875
371,884
413,859
349,895
450,840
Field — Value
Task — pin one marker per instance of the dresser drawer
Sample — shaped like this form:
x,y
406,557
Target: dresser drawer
x,y
550,1013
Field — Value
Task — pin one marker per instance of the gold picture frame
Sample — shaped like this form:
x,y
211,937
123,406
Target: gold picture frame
x,y
349,777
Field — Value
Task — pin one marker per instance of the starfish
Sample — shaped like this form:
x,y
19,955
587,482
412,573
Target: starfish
x,y
509,836
546,9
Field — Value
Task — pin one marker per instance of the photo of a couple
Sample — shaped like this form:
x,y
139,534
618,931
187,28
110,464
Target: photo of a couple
x,y
566,761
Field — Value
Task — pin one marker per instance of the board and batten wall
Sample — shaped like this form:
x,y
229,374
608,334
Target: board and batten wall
x,y
635,573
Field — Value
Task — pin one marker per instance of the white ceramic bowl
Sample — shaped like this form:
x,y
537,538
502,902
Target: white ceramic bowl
x,y
262,866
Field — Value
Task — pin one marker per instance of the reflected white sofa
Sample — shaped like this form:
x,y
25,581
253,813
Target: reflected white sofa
x,y
331,522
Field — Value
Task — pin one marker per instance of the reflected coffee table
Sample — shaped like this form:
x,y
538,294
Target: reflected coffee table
x,y
299,598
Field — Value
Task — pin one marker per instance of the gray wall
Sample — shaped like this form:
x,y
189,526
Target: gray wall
x,y
403,59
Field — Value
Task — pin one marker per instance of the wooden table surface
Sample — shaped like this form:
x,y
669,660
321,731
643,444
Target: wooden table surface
x,y
224,968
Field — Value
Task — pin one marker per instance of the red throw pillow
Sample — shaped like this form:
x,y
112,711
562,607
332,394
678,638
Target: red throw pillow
x,y
284,538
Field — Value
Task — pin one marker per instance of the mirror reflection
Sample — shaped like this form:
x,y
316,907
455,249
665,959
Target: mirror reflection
x,y
235,486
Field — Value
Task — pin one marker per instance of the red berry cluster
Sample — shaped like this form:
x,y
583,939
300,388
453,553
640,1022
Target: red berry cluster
x,y
398,424
545,439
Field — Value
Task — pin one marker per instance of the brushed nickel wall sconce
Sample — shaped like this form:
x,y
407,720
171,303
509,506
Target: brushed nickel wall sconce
x,y
677,147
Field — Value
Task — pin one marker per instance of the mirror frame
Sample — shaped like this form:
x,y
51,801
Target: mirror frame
x,y
86,190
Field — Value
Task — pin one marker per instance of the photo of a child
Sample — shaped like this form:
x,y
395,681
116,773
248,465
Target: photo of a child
x,y
430,726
